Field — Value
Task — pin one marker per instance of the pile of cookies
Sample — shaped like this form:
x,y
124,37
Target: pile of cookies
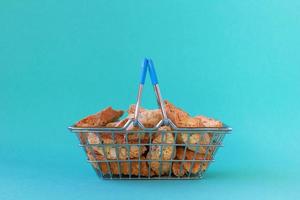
x,y
134,146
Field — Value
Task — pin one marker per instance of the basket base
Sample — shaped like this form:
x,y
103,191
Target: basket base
x,y
126,177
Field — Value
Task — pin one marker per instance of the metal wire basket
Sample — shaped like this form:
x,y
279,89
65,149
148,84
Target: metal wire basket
x,y
113,160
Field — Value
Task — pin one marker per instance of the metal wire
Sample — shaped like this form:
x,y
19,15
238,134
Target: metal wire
x,y
104,164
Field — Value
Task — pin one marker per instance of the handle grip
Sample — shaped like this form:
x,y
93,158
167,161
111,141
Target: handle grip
x,y
148,63
152,72
159,98
144,71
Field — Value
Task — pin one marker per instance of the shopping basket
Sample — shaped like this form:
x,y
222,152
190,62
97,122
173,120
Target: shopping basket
x,y
123,167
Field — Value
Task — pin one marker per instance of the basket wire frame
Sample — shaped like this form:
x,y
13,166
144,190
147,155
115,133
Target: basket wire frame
x,y
216,136
105,166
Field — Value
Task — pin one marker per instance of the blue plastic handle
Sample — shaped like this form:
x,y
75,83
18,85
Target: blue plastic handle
x,y
144,71
152,72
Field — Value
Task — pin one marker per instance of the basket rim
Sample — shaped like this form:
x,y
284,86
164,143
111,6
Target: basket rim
x,y
224,129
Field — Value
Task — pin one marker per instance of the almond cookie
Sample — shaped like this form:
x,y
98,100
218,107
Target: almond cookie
x,y
109,151
200,161
161,151
183,120
176,169
100,119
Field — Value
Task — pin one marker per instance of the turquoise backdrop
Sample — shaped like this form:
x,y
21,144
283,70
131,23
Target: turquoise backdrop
x,y
237,61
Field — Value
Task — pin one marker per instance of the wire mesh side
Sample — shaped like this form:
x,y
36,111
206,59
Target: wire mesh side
x,y
113,159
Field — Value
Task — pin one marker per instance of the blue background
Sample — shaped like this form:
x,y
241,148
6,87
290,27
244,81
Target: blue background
x,y
237,61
